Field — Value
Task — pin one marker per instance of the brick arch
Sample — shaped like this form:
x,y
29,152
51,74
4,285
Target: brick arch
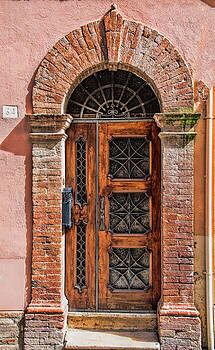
x,y
112,42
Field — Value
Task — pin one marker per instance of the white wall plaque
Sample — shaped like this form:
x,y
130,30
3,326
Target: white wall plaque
x,y
10,112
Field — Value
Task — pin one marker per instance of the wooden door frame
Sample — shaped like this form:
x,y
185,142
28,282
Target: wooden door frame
x,y
89,297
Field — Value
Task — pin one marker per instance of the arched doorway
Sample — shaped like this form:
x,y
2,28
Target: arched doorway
x,y
113,167
112,43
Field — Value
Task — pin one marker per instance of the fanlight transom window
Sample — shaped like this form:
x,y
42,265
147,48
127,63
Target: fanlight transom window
x,y
113,94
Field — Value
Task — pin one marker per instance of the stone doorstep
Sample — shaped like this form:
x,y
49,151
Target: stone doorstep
x,y
110,340
113,320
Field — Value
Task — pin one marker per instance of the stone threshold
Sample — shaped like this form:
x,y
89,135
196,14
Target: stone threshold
x,y
83,339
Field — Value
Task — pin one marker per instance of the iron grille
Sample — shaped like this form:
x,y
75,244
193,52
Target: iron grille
x,y
129,158
81,195
129,213
113,94
81,256
129,268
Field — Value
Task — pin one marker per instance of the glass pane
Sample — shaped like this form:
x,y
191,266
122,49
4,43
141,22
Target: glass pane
x,y
129,158
129,213
129,268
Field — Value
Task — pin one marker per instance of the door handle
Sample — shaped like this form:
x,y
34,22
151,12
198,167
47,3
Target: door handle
x,y
102,213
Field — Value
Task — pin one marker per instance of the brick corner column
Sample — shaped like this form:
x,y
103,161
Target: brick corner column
x,y
46,315
178,319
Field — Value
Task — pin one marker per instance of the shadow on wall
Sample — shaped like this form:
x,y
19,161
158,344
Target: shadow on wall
x,y
28,100
18,143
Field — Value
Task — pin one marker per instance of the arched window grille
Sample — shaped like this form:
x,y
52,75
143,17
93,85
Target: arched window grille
x,y
113,94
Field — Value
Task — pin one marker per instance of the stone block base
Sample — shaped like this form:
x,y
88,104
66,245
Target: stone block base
x,y
11,330
44,331
180,333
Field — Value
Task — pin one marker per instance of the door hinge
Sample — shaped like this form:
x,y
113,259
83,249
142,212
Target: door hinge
x,y
67,207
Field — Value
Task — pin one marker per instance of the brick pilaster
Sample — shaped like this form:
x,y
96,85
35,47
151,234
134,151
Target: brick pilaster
x,y
179,324
45,317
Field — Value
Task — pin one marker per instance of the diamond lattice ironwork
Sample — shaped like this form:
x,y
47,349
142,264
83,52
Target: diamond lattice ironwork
x,y
129,158
81,256
81,193
81,199
129,213
129,268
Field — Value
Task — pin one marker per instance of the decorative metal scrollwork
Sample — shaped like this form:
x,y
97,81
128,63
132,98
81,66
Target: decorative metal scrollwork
x,y
129,158
113,94
129,268
129,213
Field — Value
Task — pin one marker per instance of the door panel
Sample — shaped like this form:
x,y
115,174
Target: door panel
x,y
80,240
129,238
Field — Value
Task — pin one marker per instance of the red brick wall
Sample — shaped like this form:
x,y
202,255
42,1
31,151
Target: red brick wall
x,y
179,324
11,330
44,331
47,225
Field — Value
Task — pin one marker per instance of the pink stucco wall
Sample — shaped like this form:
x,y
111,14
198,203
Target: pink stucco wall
x,y
27,30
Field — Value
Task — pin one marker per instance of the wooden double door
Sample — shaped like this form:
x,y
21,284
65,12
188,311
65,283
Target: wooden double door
x,y
113,247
